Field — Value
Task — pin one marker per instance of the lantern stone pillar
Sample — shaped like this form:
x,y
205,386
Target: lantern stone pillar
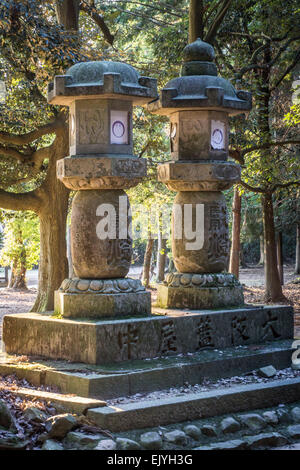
x,y
101,165
199,104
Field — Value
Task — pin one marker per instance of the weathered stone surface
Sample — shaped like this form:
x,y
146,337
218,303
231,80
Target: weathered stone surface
x,y
72,404
200,87
209,251
199,291
191,137
35,414
127,444
284,417
139,415
74,439
104,79
199,176
229,425
92,131
156,336
268,371
96,305
296,414
6,418
176,437
271,417
199,297
209,430
253,421
266,440
9,441
50,444
106,444
101,286
95,258
236,444
192,431
58,426
92,172
188,280
294,431
151,440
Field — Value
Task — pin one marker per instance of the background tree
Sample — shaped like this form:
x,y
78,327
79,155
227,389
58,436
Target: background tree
x,y
21,247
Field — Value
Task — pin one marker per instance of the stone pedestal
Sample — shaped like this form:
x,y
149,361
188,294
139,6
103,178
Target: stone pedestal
x,y
195,291
199,104
100,97
101,243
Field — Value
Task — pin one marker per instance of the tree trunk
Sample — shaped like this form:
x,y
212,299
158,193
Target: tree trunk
x,y
18,267
234,263
69,254
53,266
67,12
18,276
297,264
196,12
147,261
280,257
261,250
161,257
273,289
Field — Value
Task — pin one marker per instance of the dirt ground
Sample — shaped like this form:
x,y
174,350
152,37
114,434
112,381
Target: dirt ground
x,y
252,278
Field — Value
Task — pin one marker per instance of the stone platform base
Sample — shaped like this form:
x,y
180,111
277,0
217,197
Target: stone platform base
x,y
129,378
165,334
194,291
99,298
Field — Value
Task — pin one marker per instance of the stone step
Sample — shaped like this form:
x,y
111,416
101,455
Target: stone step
x,y
71,404
129,378
143,414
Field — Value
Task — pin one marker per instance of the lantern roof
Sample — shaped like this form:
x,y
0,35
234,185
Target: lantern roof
x,y
101,79
199,86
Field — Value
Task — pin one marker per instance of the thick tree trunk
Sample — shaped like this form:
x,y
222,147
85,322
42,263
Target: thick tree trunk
x,y
297,264
234,263
67,12
161,257
261,250
18,266
280,257
147,262
53,266
18,275
69,254
196,12
273,290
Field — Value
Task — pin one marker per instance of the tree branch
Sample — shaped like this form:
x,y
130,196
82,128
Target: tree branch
x,y
285,185
24,139
98,19
236,155
251,188
283,48
20,202
10,152
268,145
287,71
212,31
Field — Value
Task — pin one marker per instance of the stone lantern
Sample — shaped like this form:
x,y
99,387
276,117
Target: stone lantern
x,y
199,104
101,164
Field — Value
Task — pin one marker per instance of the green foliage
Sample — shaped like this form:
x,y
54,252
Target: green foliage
x,y
21,240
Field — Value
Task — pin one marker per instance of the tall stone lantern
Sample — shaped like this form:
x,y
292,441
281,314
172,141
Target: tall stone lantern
x,y
199,104
101,164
